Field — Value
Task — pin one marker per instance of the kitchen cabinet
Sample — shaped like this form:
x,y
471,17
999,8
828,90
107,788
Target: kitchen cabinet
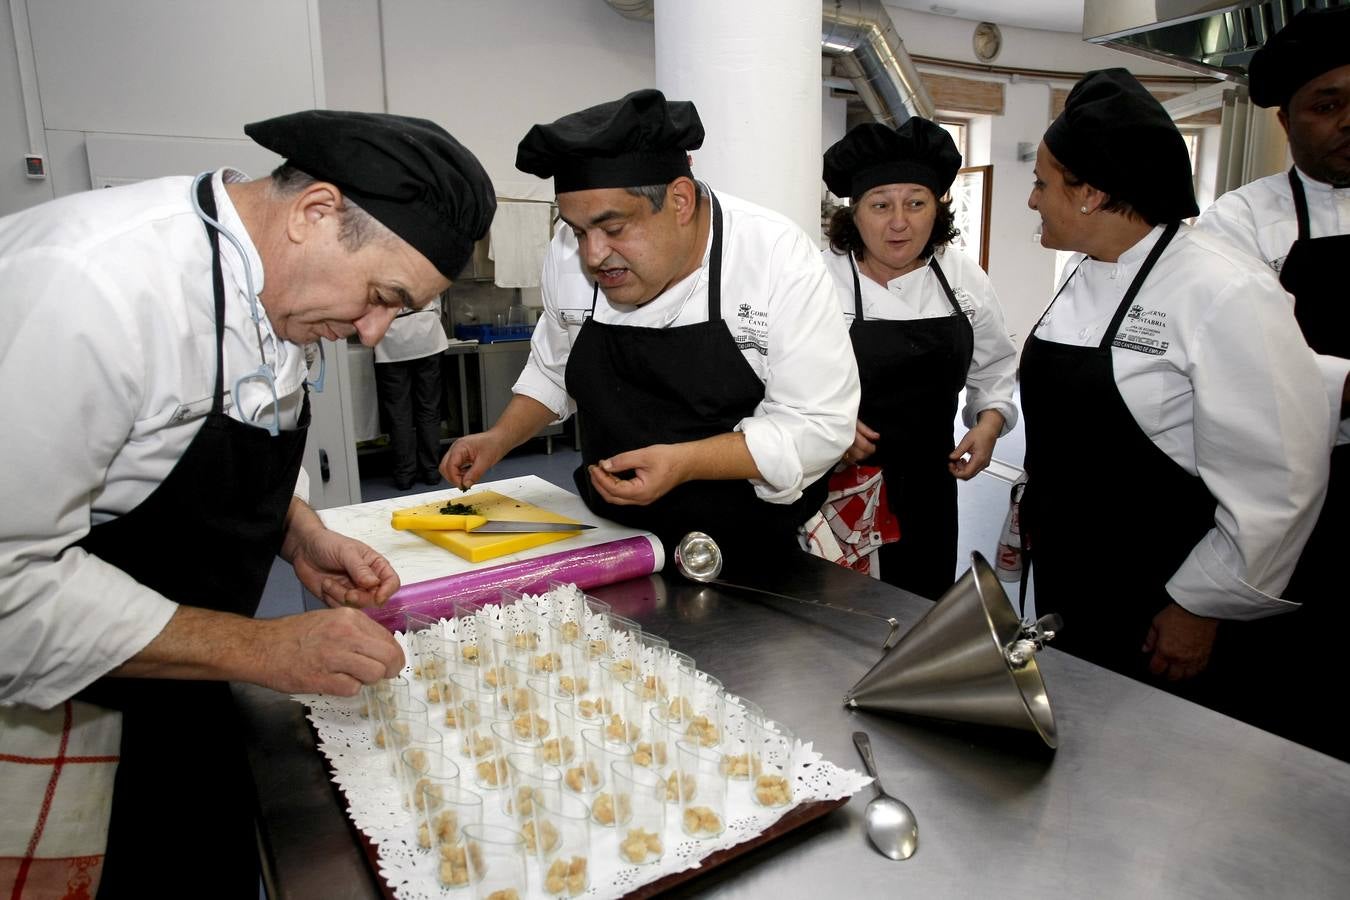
x,y
499,365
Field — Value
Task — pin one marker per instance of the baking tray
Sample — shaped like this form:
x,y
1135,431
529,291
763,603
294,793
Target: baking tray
x,y
799,816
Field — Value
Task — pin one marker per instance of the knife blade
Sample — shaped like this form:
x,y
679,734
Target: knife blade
x,y
476,524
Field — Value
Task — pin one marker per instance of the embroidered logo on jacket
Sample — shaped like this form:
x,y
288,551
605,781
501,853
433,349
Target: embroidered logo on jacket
x,y
1143,331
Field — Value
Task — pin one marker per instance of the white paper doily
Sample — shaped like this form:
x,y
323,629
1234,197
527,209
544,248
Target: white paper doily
x,y
375,805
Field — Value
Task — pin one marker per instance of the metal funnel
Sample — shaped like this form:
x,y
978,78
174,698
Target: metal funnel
x,y
970,659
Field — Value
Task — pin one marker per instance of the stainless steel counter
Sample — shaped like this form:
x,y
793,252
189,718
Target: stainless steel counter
x,y
1148,795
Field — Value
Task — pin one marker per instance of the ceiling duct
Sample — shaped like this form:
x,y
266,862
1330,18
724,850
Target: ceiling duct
x,y
859,36
1208,36
869,52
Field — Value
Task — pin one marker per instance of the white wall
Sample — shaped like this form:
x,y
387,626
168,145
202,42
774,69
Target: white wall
x,y
1022,270
352,72
16,190
487,71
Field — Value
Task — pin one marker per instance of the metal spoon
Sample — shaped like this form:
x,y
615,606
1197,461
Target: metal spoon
x,y
891,826
698,558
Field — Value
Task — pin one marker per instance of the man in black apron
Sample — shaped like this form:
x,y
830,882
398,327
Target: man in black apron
x,y
1124,540
675,409
1299,223
206,535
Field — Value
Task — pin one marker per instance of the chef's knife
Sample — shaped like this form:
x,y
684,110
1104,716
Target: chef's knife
x,y
476,524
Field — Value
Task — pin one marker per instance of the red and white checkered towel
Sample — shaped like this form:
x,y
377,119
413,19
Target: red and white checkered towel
x,y
854,522
56,777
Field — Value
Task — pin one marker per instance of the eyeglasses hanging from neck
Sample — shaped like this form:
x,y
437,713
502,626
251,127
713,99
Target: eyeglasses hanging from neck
x,y
265,375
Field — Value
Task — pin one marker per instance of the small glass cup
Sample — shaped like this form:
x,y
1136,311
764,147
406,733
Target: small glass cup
x,y
445,810
773,785
588,615
415,763
652,657
662,736
681,675
624,642
507,741
527,780
513,693
425,635
740,745
599,752
386,690
640,806
707,703
478,707
397,723
404,732
614,674
638,727
521,623
468,649
563,827
587,685
577,776
703,789
442,693
496,861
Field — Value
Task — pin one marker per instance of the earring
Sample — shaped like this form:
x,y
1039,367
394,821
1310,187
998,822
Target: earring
x,y
1083,210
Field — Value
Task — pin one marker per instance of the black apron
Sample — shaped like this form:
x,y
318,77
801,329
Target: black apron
x,y
641,386
1107,516
912,373
1308,641
183,801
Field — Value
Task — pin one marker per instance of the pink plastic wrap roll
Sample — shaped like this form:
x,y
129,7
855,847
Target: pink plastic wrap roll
x,y
586,567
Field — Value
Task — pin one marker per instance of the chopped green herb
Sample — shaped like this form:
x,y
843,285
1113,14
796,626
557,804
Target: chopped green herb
x,y
458,509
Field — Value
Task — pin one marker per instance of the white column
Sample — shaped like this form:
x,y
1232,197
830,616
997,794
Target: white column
x,y
752,67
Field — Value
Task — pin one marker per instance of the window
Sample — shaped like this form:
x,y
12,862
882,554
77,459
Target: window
x,y
957,129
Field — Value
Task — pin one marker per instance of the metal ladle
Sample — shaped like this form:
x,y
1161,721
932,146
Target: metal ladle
x,y
698,558
891,826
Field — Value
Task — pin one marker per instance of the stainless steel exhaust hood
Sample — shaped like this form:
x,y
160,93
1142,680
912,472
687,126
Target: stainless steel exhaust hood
x,y
1212,37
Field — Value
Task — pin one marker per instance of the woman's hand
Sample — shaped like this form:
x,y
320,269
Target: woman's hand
x,y
976,449
864,444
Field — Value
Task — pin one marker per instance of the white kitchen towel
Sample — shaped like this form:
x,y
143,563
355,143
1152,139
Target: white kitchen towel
x,y
56,776
519,240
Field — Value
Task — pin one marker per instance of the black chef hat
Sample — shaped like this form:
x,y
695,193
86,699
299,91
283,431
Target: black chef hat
x,y
918,152
1313,43
642,139
1116,136
408,173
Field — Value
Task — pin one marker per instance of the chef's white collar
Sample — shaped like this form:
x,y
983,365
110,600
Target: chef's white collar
x,y
286,359
1313,186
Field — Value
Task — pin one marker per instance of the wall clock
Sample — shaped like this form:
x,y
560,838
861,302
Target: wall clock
x,y
987,42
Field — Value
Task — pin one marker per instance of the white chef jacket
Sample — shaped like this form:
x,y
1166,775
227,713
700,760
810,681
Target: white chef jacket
x,y
1259,218
413,335
1218,376
919,295
778,303
108,359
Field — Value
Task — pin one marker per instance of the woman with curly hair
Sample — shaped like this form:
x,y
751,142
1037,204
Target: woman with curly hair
x,y
925,324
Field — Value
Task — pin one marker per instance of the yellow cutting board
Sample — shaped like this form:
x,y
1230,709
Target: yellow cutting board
x,y
478,547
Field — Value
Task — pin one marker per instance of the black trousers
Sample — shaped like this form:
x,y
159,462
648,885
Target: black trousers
x,y
412,405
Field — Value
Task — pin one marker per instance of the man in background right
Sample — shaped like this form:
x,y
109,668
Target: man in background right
x,y
1298,222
